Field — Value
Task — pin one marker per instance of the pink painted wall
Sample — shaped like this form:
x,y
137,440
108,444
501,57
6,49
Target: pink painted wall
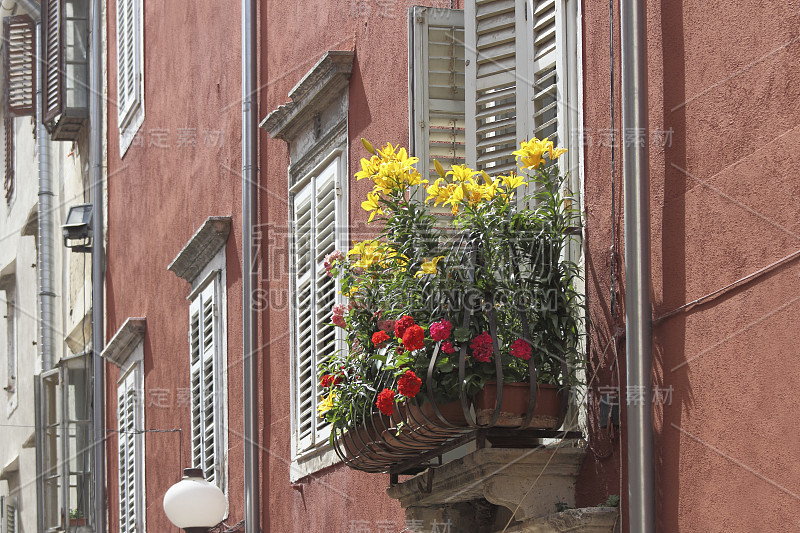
x,y
724,195
293,38
158,197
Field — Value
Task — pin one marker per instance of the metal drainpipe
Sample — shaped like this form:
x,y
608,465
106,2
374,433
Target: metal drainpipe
x,y
638,315
249,220
44,223
98,267
44,260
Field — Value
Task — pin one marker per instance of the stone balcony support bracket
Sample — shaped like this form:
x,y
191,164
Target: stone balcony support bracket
x,y
528,482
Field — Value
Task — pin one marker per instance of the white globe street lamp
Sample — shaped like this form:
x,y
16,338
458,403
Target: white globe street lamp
x,y
193,504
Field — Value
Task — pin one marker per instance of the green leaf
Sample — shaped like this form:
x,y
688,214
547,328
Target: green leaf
x,y
461,334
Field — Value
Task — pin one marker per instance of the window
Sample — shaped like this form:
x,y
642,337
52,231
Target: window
x,y
9,515
318,217
201,262
11,343
64,416
19,85
314,124
206,382
130,423
65,80
130,79
517,80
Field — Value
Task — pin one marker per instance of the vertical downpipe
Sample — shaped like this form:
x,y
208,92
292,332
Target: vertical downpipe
x,y
638,316
249,219
98,268
44,263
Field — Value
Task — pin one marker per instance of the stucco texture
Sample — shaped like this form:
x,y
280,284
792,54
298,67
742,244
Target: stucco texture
x,y
724,193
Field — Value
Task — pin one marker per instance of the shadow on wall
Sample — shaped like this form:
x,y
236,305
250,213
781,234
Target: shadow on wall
x,y
669,338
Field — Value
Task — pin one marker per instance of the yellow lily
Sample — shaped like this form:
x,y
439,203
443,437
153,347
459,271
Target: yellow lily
x,y
429,267
531,152
512,181
371,205
461,173
325,405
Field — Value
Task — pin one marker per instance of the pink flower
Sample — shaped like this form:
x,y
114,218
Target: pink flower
x,y
338,316
521,349
447,347
330,259
482,347
441,330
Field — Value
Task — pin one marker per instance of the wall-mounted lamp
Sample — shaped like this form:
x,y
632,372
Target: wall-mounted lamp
x,y
193,504
78,229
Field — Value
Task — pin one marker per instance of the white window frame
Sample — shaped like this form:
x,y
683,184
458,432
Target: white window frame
x,y
313,453
211,282
132,380
131,117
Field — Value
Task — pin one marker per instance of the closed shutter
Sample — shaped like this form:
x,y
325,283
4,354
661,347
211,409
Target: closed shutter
x,y
19,36
128,61
437,87
53,82
511,78
129,453
203,341
316,222
10,520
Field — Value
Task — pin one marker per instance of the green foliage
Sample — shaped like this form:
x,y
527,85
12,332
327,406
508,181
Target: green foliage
x,y
500,269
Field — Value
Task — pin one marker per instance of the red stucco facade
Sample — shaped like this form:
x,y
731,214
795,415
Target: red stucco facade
x,y
723,92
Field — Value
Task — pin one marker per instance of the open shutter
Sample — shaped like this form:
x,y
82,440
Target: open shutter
x,y
19,39
126,422
8,137
316,234
53,50
511,78
436,39
203,347
544,91
128,62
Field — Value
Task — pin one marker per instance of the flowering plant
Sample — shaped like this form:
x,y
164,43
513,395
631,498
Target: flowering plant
x,y
489,287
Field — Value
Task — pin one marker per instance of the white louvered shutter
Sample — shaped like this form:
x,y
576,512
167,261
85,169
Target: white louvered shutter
x,y
129,454
203,342
10,523
511,78
316,220
128,59
437,87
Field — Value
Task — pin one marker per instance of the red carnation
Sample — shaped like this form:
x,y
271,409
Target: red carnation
x,y
379,339
385,402
482,347
441,330
329,380
402,325
409,384
414,338
521,349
